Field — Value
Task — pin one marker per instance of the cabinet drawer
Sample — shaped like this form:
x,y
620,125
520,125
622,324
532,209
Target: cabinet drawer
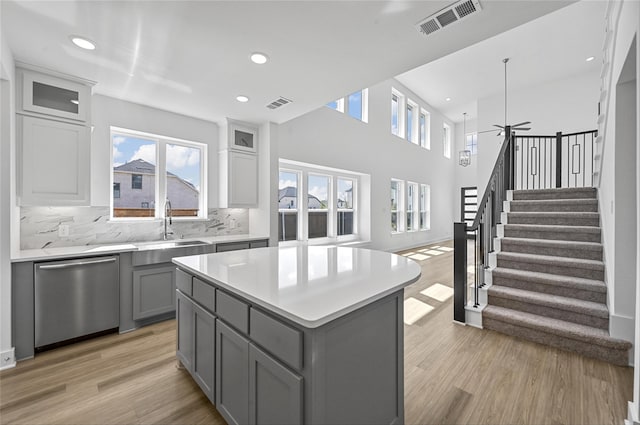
x,y
204,294
281,340
232,246
259,244
183,282
233,311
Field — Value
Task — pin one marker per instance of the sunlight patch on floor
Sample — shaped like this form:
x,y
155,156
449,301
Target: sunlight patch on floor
x,y
444,248
433,252
415,310
418,257
407,254
438,292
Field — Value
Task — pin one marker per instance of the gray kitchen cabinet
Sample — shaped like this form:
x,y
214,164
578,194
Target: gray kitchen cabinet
x,y
232,374
184,339
204,344
153,291
235,246
54,162
275,393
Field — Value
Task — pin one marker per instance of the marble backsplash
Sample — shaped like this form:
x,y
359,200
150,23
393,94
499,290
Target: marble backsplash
x,y
91,226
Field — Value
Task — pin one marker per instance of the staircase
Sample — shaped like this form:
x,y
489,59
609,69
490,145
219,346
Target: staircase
x,y
548,283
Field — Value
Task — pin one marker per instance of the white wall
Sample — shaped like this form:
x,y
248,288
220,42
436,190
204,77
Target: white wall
x,y
8,214
329,138
107,111
264,219
567,105
465,176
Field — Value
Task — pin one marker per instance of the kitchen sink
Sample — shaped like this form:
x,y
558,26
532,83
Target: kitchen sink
x,y
164,251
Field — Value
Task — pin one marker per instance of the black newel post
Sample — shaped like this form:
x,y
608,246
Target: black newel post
x,y
459,271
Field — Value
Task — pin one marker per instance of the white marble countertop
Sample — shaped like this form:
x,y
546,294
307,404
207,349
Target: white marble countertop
x,y
310,285
86,250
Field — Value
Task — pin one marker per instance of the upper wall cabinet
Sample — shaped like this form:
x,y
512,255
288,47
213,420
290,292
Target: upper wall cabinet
x,y
53,96
239,136
238,165
53,114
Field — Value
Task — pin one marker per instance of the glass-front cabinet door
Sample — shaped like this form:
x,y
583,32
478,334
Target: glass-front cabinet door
x,y
49,95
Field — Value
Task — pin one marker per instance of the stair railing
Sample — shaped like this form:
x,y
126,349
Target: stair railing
x,y
484,229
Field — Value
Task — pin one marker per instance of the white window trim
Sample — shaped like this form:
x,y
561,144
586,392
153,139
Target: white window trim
x,y
427,129
415,122
427,223
340,105
446,141
401,113
354,209
160,183
298,175
304,170
400,212
415,206
466,145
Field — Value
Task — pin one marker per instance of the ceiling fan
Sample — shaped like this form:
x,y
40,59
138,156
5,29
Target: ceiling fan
x,y
514,127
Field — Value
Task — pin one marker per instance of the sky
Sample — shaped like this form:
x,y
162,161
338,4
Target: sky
x,y
182,161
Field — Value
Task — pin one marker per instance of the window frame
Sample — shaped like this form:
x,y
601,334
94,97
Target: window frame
x,y
303,172
354,199
400,210
413,122
339,105
473,147
401,99
446,140
426,208
298,202
412,208
425,136
160,177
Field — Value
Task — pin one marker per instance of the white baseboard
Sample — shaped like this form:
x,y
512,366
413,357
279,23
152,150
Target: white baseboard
x,y
7,359
632,414
473,315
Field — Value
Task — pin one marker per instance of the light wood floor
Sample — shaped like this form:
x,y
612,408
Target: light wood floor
x,y
453,375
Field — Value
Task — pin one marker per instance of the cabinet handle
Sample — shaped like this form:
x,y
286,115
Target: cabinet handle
x,y
81,263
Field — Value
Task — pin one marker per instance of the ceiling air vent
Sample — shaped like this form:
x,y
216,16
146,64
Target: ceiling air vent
x,y
450,14
281,101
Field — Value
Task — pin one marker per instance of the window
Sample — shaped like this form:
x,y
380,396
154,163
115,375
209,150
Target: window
x,y
160,167
397,113
397,206
412,206
409,122
329,210
446,140
338,105
288,206
472,143
344,204
355,105
136,181
317,205
425,201
425,126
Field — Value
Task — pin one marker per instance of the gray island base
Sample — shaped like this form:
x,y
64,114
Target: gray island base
x,y
296,335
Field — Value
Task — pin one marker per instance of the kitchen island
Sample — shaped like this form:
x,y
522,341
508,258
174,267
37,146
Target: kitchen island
x,y
301,334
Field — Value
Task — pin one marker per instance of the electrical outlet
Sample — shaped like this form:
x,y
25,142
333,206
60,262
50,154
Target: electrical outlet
x,y
63,230
7,359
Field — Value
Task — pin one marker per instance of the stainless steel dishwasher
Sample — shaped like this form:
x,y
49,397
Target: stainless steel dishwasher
x,y
75,298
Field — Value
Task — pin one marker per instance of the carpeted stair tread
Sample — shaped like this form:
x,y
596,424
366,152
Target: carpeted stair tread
x,y
556,327
553,228
553,243
552,301
577,283
558,218
549,205
552,260
562,193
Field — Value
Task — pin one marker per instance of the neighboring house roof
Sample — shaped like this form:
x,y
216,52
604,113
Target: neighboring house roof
x,y
292,192
140,166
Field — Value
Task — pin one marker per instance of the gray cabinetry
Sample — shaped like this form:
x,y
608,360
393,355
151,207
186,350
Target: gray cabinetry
x,y
153,291
275,393
235,246
184,339
232,374
204,343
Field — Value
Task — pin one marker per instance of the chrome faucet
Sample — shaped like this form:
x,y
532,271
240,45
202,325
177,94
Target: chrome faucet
x,y
168,213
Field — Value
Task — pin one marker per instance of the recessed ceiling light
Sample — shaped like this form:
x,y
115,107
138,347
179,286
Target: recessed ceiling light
x,y
75,102
590,58
259,58
83,43
448,99
242,99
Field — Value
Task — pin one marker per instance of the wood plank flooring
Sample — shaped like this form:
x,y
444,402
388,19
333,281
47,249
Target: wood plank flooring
x,y
453,375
